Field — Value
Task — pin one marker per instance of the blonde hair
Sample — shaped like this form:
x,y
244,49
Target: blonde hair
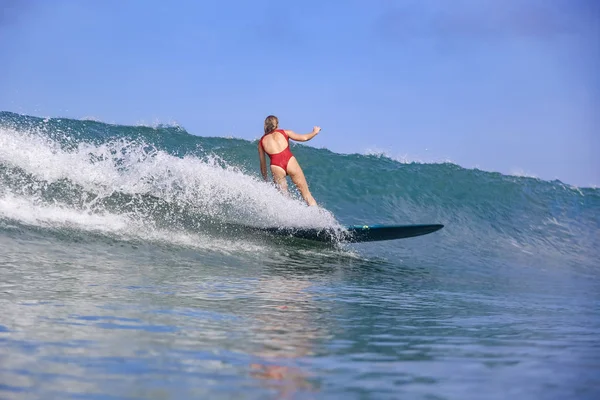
x,y
271,123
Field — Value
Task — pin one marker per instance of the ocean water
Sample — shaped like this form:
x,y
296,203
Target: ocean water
x,y
116,281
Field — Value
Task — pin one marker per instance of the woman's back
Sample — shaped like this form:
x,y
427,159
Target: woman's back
x,y
274,142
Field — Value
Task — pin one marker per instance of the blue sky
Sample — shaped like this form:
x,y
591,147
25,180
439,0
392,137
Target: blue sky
x,y
503,85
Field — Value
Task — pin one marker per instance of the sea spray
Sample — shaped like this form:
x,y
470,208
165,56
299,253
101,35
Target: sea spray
x,y
163,178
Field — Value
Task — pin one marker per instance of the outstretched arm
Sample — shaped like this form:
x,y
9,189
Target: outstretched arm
x,y
263,162
303,138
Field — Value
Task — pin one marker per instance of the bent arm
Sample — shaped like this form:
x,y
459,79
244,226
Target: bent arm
x,y
303,138
263,162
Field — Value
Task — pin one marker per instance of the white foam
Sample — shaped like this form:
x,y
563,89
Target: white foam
x,y
90,118
158,124
406,158
28,212
207,185
519,172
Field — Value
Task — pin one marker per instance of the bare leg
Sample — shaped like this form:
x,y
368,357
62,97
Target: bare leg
x,y
279,178
295,172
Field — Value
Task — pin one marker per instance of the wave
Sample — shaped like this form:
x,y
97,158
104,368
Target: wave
x,y
125,180
162,178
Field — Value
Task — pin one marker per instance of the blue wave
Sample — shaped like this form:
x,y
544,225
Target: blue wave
x,y
166,177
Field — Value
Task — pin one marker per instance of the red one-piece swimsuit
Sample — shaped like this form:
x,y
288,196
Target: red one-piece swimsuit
x,y
282,158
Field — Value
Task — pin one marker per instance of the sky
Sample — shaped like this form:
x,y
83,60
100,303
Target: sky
x,y
501,85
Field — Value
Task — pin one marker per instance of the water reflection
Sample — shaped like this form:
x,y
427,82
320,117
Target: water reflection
x,y
131,313
297,312
289,322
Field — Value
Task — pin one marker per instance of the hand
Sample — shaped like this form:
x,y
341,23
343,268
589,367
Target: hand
x,y
316,129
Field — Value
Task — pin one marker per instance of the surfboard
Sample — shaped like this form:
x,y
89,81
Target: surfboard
x,y
356,233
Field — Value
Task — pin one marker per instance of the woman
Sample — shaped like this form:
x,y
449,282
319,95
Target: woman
x,y
275,143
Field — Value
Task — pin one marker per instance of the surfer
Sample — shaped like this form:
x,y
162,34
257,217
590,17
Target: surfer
x,y
275,143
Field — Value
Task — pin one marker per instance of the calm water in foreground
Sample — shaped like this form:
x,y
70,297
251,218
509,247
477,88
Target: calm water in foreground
x,y
87,317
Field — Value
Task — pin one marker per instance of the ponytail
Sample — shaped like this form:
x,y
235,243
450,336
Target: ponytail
x,y
271,123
